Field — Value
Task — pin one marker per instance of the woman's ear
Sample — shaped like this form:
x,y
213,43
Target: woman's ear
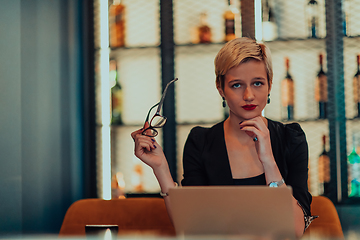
x,y
221,92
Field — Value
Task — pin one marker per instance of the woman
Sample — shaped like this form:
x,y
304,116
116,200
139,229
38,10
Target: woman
x,y
246,148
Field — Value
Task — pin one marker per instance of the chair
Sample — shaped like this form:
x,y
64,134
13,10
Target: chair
x,y
132,215
327,225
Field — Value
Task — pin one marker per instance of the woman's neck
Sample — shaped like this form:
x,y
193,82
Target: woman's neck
x,y
232,128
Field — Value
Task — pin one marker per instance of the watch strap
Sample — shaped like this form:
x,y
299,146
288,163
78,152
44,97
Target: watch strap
x,y
276,184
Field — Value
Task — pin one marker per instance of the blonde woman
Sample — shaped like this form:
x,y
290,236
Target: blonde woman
x,y
246,148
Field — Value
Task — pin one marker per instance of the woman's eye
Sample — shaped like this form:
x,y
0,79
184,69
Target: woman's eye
x,y
258,84
236,85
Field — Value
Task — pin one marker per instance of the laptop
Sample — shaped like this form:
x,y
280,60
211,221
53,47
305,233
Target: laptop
x,y
233,210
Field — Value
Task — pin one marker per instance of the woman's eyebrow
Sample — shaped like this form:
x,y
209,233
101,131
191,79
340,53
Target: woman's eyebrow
x,y
259,78
236,80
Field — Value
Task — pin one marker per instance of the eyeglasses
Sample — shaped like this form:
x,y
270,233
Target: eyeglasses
x,y
157,121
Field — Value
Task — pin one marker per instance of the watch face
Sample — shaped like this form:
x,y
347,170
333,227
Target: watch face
x,y
273,184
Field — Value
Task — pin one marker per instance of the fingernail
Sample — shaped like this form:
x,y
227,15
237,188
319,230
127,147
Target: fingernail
x,y
241,122
154,146
241,127
153,140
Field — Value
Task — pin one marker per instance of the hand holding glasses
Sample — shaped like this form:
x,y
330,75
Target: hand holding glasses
x,y
157,121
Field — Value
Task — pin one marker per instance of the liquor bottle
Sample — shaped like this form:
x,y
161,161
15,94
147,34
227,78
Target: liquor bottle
x,y
345,4
204,30
229,17
117,186
116,95
324,169
312,18
321,91
117,24
138,178
287,92
343,13
356,87
354,172
269,27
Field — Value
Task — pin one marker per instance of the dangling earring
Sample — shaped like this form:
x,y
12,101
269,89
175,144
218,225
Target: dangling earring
x,y
224,103
268,100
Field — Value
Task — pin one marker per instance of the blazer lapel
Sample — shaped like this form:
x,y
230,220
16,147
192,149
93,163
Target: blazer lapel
x,y
215,157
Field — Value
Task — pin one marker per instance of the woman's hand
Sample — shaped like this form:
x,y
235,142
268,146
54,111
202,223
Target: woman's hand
x,y
151,153
256,128
147,149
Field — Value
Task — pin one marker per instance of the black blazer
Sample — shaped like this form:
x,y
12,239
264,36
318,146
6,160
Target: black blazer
x,y
206,162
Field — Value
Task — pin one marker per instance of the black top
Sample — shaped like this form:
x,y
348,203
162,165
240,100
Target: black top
x,y
206,162
257,180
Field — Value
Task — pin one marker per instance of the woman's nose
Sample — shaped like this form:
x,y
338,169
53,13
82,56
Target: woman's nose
x,y
248,94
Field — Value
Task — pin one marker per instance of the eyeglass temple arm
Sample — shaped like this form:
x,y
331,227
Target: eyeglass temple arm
x,y
163,95
147,117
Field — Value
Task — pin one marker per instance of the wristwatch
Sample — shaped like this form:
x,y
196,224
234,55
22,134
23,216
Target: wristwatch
x,y
277,184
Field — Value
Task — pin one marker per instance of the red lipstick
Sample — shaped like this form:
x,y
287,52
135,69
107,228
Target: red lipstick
x,y
249,107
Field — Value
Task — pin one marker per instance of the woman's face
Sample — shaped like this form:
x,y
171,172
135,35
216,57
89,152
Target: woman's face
x,y
246,89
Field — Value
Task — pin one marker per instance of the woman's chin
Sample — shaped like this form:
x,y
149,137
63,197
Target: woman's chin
x,y
247,116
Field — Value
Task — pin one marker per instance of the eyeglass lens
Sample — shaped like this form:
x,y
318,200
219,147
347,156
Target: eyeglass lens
x,y
151,132
158,121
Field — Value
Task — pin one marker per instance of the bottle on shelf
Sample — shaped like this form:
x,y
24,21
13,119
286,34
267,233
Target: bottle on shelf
x,y
354,172
312,10
117,24
138,178
116,95
321,91
343,17
269,27
287,92
324,169
345,4
229,17
117,186
204,30
356,87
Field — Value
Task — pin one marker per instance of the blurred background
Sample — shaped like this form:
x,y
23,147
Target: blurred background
x,y
77,77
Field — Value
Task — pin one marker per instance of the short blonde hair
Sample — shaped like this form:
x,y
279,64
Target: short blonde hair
x,y
240,50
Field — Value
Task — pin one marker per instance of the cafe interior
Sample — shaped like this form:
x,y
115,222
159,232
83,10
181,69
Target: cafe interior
x,y
78,77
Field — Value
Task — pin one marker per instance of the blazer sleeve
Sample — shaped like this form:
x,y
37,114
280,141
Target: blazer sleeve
x,y
298,161
194,170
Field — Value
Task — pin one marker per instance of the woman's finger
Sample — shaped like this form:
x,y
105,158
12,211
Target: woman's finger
x,y
251,131
146,145
255,127
144,140
139,131
255,122
147,132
